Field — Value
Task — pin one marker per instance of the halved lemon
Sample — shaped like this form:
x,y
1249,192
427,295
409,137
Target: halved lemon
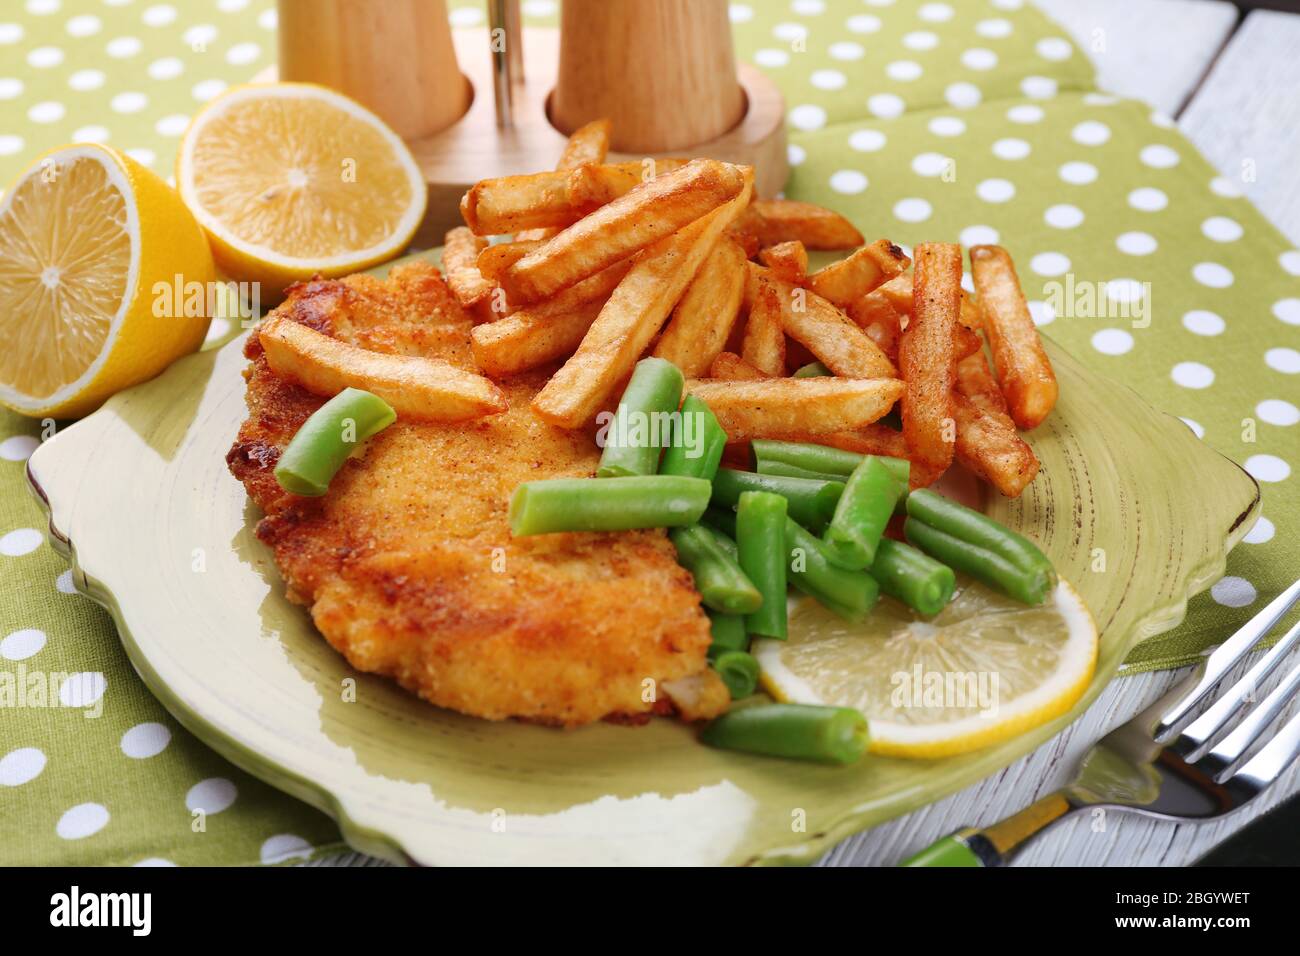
x,y
291,180
99,261
984,669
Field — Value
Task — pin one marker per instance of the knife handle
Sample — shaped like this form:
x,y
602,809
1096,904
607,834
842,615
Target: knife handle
x,y
994,845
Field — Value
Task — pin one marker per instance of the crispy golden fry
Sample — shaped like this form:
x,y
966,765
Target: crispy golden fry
x,y
511,203
753,273
787,260
587,144
926,360
495,259
420,389
634,313
730,367
830,334
772,221
647,214
704,317
843,283
1023,369
881,321
752,409
989,446
976,382
460,252
965,342
898,292
764,344
591,185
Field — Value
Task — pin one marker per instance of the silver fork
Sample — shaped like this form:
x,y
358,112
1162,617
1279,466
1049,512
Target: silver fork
x,y
1161,764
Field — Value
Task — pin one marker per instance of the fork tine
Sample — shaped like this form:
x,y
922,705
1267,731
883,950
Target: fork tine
x,y
1270,763
1221,661
1221,759
1194,740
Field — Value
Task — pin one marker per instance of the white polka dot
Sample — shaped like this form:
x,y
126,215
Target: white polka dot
x,y
10,33
1285,360
90,134
885,105
1261,533
1233,592
1148,199
169,67
10,88
808,8
144,157
867,140
1025,113
848,181
1100,99
979,236
84,80
935,12
994,28
128,102
1112,341
995,190
10,144
1212,274
1050,264
145,740
1090,133
1124,290
903,71
1275,411
1192,375
1136,243
790,32
1158,156
83,26
172,125
120,48
1221,229
45,57
1288,310
243,53
269,19
1041,313
211,796
20,645
42,8
83,820
968,283
930,164
807,116
1063,216
1011,148
63,583
1078,173
920,40
1163,120
46,112
978,58
846,50
962,95
1201,322
771,58
159,15
1197,428
20,542
1268,468
863,23
1290,261
466,17
796,154
199,36
21,766
912,210
83,689
204,90
1222,186
157,860
738,12
828,79
1008,4
1038,87
1054,48
231,6
18,447
947,126
285,846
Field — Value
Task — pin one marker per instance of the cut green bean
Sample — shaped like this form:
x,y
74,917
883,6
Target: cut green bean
x,y
916,579
850,594
958,521
798,731
739,671
698,442
722,519
326,439
583,504
760,535
812,370
811,501
862,514
783,469
728,632
1028,587
823,459
642,424
718,578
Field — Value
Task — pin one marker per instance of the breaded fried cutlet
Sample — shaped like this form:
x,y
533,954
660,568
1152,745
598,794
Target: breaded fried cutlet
x,y
408,566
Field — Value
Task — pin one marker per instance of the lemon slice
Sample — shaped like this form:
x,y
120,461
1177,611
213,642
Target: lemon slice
x,y
291,179
102,267
984,669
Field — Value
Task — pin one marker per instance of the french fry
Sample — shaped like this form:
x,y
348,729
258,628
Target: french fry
x,y
965,342
417,388
753,273
898,292
460,252
772,221
1023,369
703,318
591,185
926,360
848,280
649,213
989,445
495,259
787,260
730,367
976,382
881,321
764,344
750,409
830,334
512,203
635,311
587,144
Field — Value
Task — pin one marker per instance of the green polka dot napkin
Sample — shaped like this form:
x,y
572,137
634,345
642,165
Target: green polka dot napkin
x,y
974,121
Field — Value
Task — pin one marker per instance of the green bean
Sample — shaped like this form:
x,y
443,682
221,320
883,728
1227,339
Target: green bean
x,y
811,501
728,632
640,425
862,514
799,731
760,522
319,448
944,514
739,671
812,370
697,459
906,574
782,469
1028,587
718,578
583,504
721,519
823,458
850,594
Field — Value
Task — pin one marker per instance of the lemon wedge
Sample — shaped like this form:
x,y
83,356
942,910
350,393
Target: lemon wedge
x,y
290,180
984,669
94,248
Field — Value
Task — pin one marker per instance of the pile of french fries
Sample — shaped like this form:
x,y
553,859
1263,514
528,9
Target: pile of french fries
x,y
597,264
